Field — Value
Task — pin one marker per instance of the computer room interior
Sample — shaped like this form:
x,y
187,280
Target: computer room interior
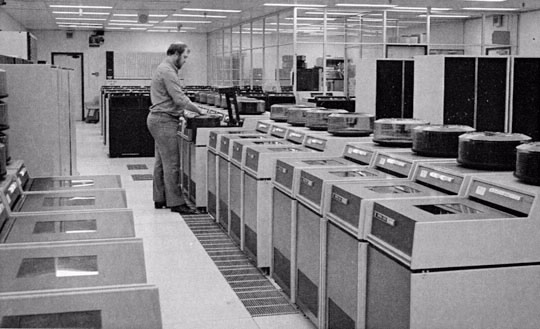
x,y
193,293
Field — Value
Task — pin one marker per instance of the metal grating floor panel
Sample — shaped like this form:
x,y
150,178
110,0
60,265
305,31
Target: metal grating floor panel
x,y
258,294
136,166
137,177
268,310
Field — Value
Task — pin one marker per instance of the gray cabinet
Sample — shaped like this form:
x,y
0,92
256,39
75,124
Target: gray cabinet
x,y
42,130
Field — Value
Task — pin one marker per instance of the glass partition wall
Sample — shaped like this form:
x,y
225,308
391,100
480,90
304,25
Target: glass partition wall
x,y
316,50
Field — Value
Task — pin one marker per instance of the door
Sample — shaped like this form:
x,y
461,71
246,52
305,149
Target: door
x,y
73,61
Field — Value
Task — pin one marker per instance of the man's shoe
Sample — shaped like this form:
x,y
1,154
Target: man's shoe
x,y
183,210
159,205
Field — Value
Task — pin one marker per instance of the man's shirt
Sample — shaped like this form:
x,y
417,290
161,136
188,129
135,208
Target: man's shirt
x,y
165,91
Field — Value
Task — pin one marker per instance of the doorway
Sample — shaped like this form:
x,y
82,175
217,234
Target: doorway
x,y
73,61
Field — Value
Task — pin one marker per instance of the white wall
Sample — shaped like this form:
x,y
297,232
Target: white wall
x,y
529,34
194,73
8,23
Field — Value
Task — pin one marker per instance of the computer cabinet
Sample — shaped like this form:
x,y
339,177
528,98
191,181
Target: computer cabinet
x,y
525,104
384,87
42,130
127,130
464,90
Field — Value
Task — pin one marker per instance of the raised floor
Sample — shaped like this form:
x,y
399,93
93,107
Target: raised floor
x,y
193,293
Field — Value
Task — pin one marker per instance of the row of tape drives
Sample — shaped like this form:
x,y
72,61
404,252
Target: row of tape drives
x,y
69,256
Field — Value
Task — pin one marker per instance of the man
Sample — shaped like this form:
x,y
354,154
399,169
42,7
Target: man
x,y
169,103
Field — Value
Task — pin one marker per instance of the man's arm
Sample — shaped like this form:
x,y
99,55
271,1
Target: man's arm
x,y
172,83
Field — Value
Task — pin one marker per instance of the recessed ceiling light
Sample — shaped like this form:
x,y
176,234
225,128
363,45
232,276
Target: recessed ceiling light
x,y
76,23
114,28
85,7
81,19
490,9
124,20
420,8
199,15
79,13
80,26
293,5
213,10
260,29
136,15
364,5
445,16
131,24
138,28
196,22
287,24
311,18
175,27
330,13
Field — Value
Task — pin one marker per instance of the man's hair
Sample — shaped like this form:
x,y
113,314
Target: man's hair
x,y
176,47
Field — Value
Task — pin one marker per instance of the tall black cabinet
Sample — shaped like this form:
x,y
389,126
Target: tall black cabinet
x,y
391,96
463,90
128,134
525,113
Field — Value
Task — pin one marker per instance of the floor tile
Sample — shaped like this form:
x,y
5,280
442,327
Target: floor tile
x,y
296,321
196,323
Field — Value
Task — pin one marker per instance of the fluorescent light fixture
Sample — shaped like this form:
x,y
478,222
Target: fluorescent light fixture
x,y
287,24
485,0
199,15
136,15
213,10
418,8
330,13
80,26
79,23
371,19
311,18
445,16
138,28
196,22
174,27
408,10
260,29
163,31
293,5
490,9
79,13
124,20
366,5
114,28
307,28
130,24
84,7
80,19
